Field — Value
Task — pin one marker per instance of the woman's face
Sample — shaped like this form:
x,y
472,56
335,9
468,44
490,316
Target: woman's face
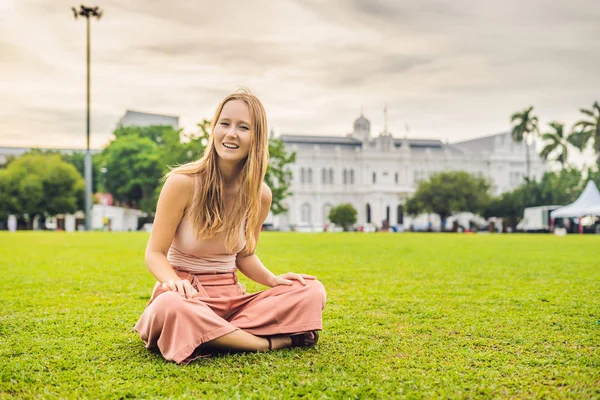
x,y
232,131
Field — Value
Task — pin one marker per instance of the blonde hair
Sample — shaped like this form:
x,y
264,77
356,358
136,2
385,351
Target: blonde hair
x,y
207,213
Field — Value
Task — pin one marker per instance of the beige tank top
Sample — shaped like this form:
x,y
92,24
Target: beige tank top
x,y
202,256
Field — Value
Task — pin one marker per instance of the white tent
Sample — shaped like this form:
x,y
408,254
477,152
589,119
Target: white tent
x,y
582,206
593,210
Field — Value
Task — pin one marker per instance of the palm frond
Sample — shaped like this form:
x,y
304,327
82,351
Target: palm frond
x,y
549,136
580,139
583,124
547,150
587,112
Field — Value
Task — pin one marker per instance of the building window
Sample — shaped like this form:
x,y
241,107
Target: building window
x,y
309,175
374,177
352,177
368,213
396,177
345,177
323,176
400,215
302,177
331,176
305,213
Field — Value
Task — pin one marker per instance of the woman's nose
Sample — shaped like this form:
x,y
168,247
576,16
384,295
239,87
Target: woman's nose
x,y
231,131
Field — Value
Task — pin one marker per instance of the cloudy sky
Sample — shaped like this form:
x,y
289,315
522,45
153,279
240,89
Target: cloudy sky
x,y
449,70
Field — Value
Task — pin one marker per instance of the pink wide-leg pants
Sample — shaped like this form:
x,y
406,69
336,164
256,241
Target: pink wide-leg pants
x,y
178,326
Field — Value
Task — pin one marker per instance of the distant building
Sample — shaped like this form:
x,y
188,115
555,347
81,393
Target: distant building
x,y
136,118
378,174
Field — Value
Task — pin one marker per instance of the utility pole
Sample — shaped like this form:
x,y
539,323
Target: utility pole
x,y
87,13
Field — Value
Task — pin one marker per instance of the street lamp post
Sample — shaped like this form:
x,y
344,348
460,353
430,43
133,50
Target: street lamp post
x,y
87,13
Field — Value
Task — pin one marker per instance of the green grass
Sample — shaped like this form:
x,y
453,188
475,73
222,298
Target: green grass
x,y
407,315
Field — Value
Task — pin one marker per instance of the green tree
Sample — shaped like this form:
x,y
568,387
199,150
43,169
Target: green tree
x,y
588,131
557,142
343,215
174,146
524,126
555,188
77,159
446,193
279,176
39,184
8,195
133,171
508,206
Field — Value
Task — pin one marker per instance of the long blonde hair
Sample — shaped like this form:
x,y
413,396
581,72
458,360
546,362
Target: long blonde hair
x,y
207,213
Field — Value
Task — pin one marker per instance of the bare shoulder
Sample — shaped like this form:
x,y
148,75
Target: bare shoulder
x,y
265,195
180,183
178,190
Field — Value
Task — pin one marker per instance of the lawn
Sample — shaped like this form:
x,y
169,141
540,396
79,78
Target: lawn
x,y
407,316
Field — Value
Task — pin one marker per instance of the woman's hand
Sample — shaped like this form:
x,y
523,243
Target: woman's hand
x,y
287,279
183,287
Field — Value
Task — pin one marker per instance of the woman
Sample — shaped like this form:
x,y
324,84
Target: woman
x,y
208,220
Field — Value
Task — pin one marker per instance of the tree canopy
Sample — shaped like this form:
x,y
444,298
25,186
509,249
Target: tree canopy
x,y
40,184
446,193
343,215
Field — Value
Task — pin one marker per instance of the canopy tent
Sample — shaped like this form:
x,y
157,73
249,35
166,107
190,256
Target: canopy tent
x,y
588,200
593,210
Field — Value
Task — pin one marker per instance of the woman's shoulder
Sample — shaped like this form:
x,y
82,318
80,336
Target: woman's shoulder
x,y
265,194
181,184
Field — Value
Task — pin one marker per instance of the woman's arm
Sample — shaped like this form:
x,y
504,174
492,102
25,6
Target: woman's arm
x,y
173,201
249,263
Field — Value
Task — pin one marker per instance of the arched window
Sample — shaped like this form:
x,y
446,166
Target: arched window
x,y
323,176
302,177
387,215
305,213
352,177
331,175
374,177
368,213
345,180
396,177
400,215
310,175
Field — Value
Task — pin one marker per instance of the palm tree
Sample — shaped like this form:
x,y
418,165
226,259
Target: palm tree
x,y
587,130
557,141
524,125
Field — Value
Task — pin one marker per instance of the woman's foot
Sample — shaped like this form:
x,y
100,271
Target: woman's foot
x,y
306,339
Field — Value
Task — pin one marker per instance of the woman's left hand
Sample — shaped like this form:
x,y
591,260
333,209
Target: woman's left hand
x,y
289,278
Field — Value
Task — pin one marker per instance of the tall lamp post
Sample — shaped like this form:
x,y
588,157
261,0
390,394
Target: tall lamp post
x,y
87,13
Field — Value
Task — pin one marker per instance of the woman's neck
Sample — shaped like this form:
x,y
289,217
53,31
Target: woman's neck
x,y
230,172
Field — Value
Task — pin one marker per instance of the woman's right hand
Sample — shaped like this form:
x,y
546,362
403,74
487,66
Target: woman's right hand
x,y
181,286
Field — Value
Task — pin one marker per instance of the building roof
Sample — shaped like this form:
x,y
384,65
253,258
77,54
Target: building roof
x,y
138,118
309,139
474,145
417,143
483,143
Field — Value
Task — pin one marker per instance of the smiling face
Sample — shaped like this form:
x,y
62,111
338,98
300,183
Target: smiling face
x,y
232,132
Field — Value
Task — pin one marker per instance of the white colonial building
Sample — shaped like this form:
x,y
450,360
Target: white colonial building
x,y
377,174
